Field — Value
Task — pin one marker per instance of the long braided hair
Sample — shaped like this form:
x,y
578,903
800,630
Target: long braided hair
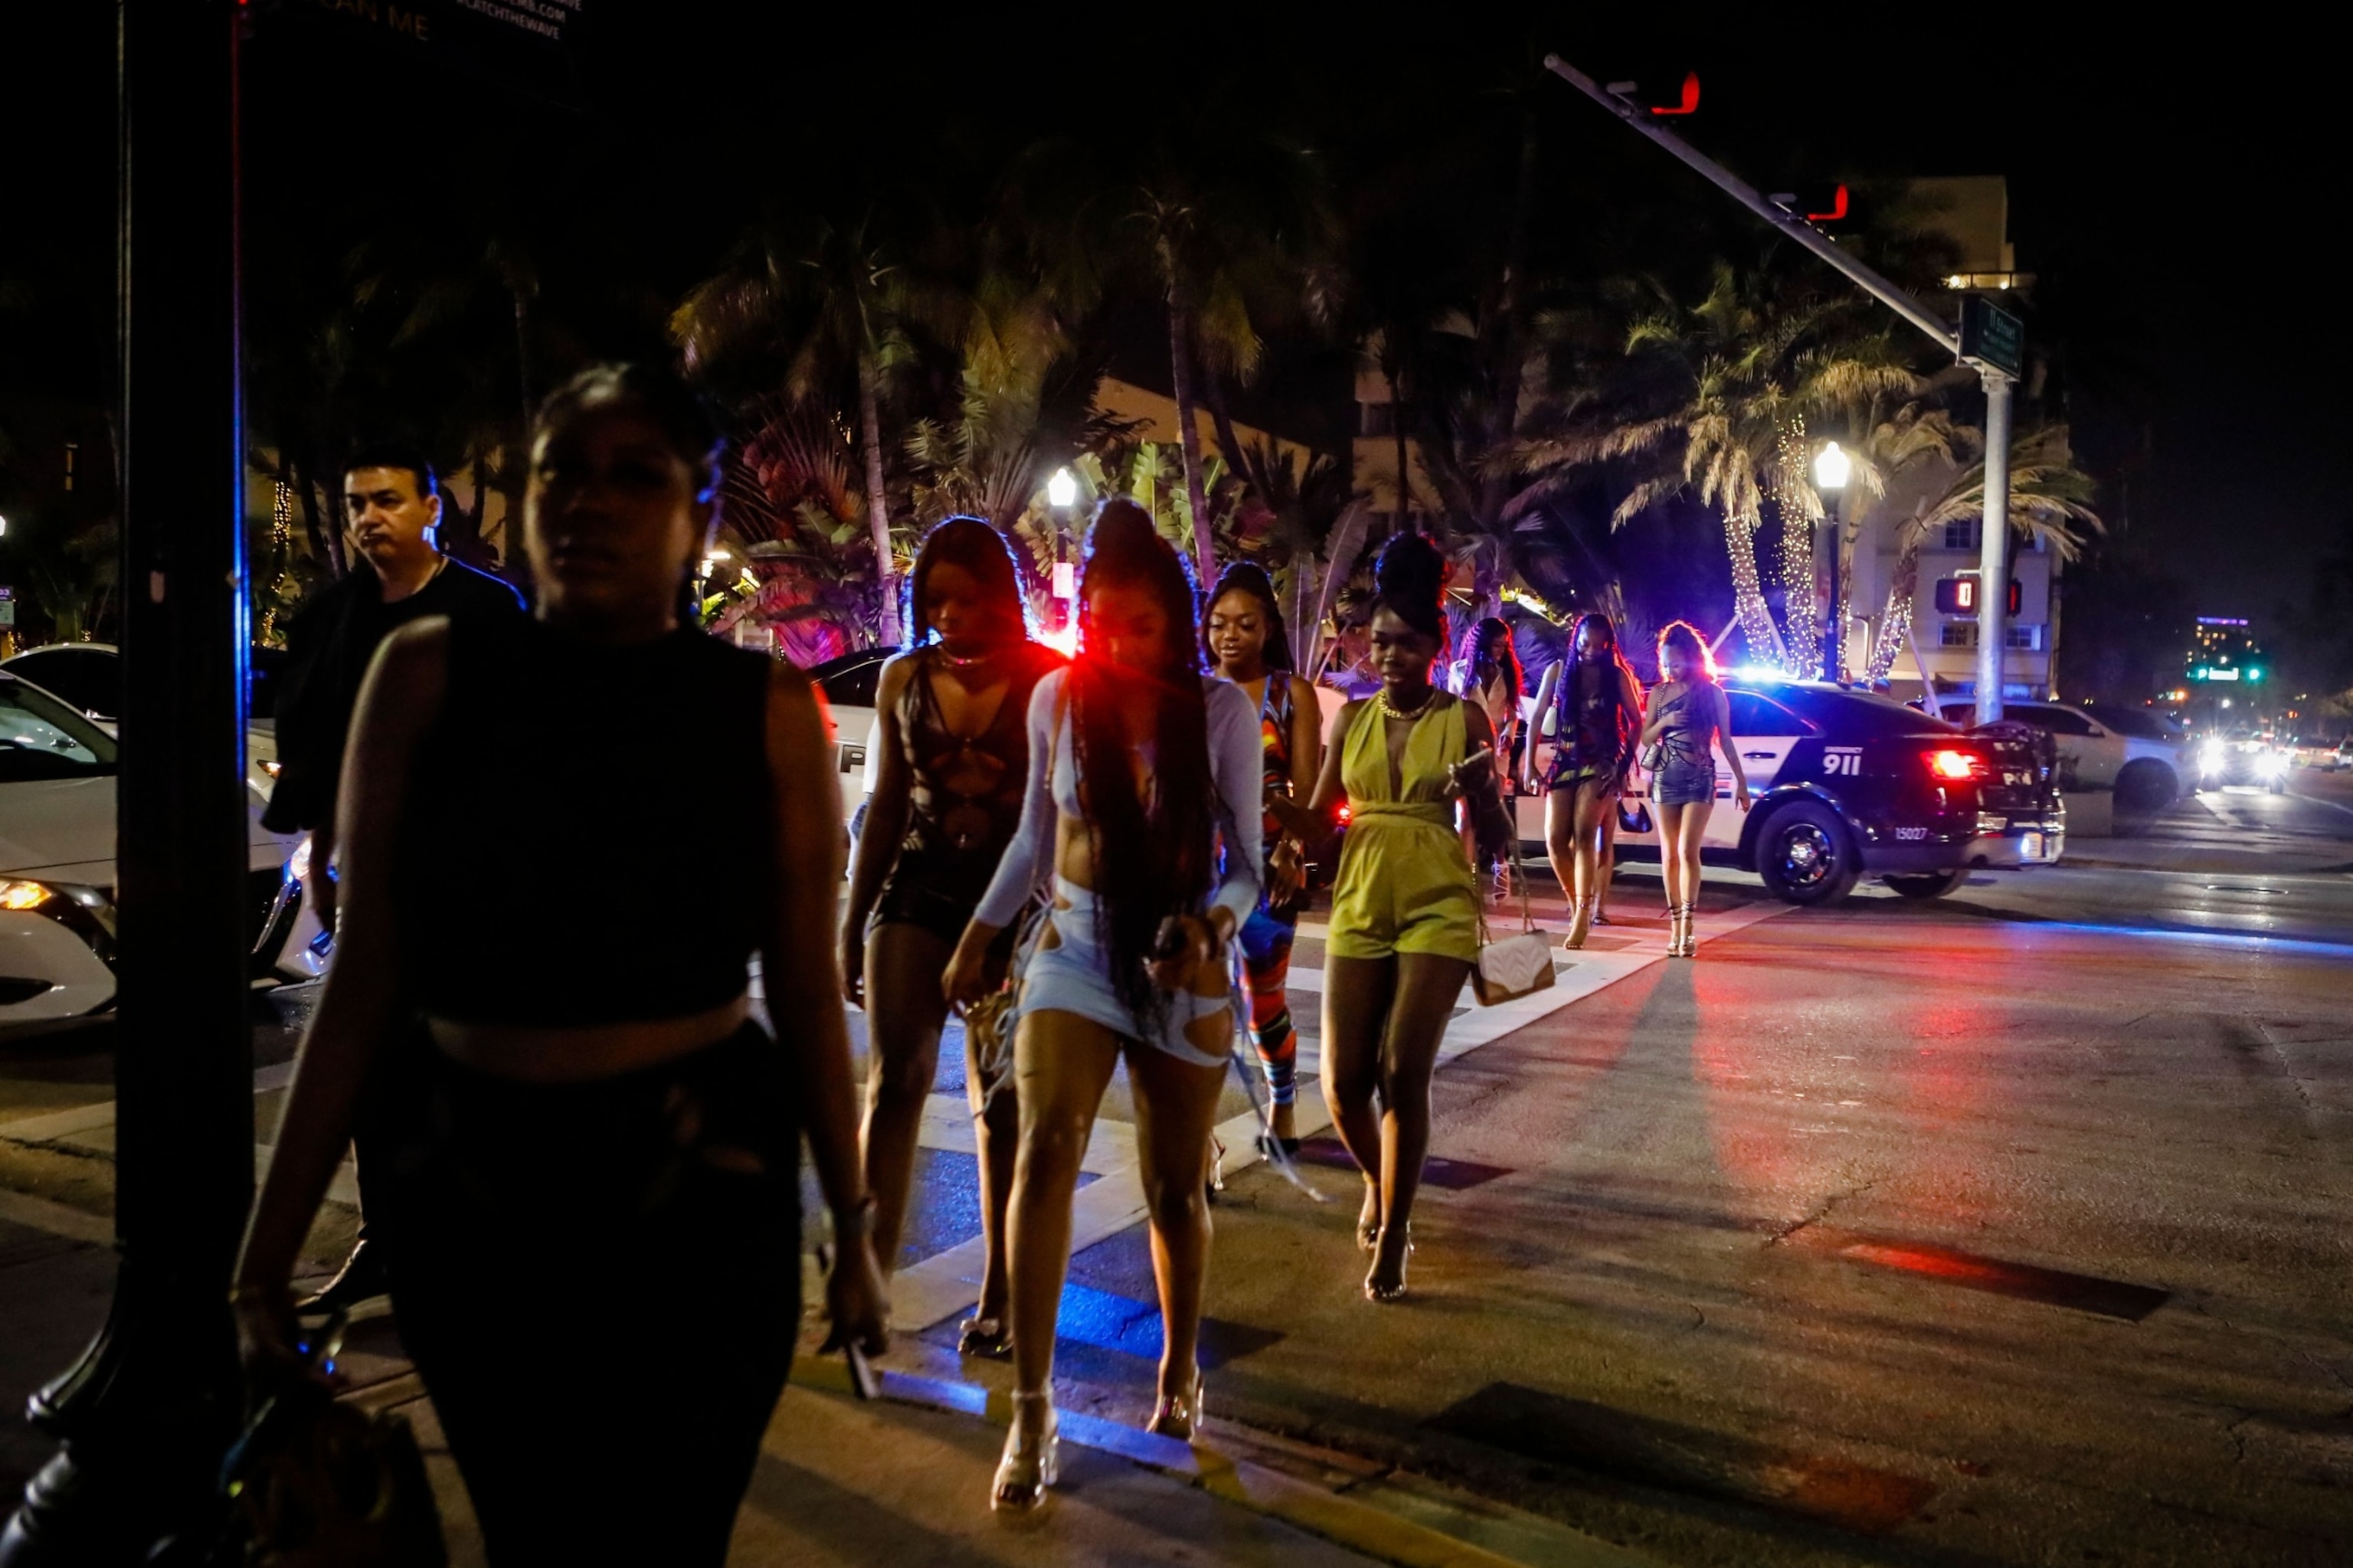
x,y
1156,852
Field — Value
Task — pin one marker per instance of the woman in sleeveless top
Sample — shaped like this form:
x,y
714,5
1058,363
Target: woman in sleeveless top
x,y
1243,634
576,1094
1142,804
1594,708
953,758
1690,722
1405,909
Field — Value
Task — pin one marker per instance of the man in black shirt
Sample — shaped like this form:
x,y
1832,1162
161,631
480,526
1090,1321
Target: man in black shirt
x,y
393,503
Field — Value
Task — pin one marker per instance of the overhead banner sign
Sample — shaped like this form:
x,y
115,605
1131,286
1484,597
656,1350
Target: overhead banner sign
x,y
520,42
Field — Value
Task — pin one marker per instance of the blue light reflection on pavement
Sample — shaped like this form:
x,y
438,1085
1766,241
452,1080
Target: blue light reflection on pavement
x,y
2244,939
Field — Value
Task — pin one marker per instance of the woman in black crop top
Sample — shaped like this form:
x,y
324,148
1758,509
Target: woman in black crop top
x,y
539,1006
952,763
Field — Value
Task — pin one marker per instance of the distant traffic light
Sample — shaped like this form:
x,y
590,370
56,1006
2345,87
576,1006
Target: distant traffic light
x,y
1818,203
1958,596
1661,93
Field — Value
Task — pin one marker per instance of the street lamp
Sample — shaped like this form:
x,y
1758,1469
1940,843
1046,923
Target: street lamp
x,y
1062,490
1832,468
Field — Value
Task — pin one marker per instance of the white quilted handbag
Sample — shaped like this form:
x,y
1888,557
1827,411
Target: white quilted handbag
x,y
1517,965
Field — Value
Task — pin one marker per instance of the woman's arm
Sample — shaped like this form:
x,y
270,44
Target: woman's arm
x,y
1537,737
1630,694
1723,713
1306,738
399,702
1482,800
1033,841
1660,710
886,825
1316,822
1238,773
804,988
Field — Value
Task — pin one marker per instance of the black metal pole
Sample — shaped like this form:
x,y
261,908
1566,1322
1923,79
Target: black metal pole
x,y
146,1413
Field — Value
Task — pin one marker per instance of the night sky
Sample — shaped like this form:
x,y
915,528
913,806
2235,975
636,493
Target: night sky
x,y
2174,200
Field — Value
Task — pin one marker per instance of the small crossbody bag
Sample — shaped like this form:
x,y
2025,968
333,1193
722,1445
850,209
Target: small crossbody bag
x,y
1517,964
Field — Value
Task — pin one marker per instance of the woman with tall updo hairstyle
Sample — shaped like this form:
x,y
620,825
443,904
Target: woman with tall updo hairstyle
x,y
951,765
598,1112
1405,909
1243,634
1143,805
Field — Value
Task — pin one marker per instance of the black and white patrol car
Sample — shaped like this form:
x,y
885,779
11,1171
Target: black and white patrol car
x,y
1848,783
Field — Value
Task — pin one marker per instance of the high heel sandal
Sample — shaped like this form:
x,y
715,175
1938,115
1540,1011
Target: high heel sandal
x,y
1579,926
1686,944
1032,1461
987,1338
1179,1416
1376,1290
1217,1182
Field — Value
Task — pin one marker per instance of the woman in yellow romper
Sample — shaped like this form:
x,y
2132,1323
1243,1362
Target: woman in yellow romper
x,y
1404,910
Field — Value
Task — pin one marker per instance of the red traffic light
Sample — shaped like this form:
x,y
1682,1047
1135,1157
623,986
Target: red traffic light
x,y
1814,203
1656,98
1958,596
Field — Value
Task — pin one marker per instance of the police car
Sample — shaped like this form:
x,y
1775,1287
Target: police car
x,y
1848,783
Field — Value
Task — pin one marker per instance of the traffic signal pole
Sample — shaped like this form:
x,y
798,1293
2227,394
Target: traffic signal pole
x,y
1993,549
1993,601
146,1414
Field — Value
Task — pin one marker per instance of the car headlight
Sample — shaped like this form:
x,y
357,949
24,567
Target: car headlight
x,y
2271,764
2211,756
14,894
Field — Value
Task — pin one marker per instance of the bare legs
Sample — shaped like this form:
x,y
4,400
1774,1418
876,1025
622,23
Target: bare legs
x,y
1383,1020
1680,832
1573,829
904,1013
1062,1064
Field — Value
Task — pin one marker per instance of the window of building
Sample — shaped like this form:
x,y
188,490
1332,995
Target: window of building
x,y
1961,535
2026,638
1957,634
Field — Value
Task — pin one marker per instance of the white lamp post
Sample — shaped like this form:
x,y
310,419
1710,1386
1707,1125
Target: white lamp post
x,y
1831,469
1062,490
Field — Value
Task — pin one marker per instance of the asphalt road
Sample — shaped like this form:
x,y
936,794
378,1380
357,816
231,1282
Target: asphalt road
x,y
2003,1229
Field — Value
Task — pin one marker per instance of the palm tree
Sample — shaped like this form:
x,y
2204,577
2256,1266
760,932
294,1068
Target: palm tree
x,y
1228,223
1024,402
1711,394
815,305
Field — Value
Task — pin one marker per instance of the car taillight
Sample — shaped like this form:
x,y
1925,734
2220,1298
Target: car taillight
x,y
1957,765
1344,813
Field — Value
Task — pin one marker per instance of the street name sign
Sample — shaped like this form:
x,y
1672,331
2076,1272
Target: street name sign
x,y
1991,338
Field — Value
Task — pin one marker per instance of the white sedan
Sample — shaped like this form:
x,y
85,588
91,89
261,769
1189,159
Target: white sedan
x,y
56,870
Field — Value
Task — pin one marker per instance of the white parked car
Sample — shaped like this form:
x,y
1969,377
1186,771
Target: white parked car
x,y
89,676
56,870
2134,751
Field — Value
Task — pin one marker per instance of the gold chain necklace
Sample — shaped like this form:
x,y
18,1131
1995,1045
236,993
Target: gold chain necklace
x,y
1390,709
